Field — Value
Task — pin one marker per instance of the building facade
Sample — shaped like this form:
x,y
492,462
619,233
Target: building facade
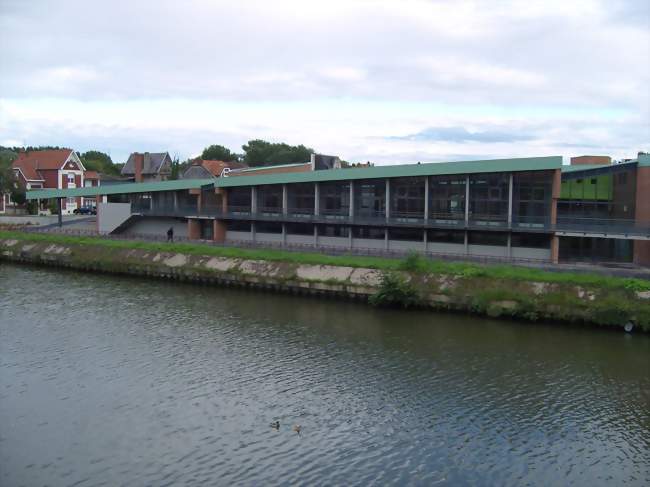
x,y
519,209
51,169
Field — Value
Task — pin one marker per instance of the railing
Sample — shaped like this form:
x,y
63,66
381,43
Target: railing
x,y
603,226
298,247
600,226
301,212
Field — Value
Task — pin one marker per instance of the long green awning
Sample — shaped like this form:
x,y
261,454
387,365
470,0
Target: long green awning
x,y
375,172
126,188
397,171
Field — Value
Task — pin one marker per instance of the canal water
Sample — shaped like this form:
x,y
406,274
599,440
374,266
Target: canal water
x,y
121,381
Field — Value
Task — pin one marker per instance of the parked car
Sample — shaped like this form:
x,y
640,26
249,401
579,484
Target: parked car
x,y
86,210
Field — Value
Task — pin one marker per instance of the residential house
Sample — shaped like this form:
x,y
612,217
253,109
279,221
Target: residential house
x,y
203,168
51,169
148,167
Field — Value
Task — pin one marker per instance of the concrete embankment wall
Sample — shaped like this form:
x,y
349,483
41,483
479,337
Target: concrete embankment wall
x,y
476,294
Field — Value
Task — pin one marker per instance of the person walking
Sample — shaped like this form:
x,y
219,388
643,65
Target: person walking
x,y
170,234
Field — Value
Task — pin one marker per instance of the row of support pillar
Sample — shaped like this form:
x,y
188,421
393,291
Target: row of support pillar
x,y
351,214
387,199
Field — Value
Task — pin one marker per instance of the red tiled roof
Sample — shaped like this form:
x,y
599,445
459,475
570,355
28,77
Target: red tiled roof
x,y
27,170
215,167
91,175
43,159
32,162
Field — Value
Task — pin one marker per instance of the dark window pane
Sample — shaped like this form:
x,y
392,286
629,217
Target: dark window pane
x,y
531,240
409,234
488,238
268,227
238,226
446,236
368,232
299,228
333,231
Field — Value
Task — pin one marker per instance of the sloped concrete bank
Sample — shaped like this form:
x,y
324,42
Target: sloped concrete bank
x,y
476,294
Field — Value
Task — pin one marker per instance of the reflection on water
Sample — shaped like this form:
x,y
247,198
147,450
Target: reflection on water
x,y
119,381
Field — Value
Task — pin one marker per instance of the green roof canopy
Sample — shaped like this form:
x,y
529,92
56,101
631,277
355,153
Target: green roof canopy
x,y
119,189
395,171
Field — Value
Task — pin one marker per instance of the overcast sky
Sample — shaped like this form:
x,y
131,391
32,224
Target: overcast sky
x,y
388,81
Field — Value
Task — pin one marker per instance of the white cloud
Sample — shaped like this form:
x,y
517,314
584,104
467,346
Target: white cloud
x,y
340,75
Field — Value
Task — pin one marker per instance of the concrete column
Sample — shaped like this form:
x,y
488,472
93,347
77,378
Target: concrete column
x,y
555,193
219,232
193,229
387,201
510,189
424,241
426,199
316,199
555,249
350,243
386,246
98,200
315,235
285,200
253,232
60,207
175,201
509,245
284,234
466,202
253,200
466,243
351,201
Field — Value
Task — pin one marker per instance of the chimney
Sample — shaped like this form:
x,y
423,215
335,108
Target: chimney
x,y
138,161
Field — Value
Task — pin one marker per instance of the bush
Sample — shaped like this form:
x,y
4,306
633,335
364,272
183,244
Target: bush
x,y
413,262
32,207
395,291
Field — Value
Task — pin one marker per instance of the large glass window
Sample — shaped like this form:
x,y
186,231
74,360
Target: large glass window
x,y
531,197
488,198
370,198
300,199
239,200
446,236
335,199
531,240
407,234
299,228
268,227
269,199
488,238
238,226
333,231
447,197
377,233
407,198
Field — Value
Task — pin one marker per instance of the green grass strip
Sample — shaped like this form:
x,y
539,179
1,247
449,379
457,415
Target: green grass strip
x,y
412,263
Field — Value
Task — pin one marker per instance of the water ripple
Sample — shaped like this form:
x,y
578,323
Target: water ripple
x,y
118,381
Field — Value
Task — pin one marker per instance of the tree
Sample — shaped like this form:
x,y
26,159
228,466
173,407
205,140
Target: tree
x,y
94,160
175,168
218,153
262,153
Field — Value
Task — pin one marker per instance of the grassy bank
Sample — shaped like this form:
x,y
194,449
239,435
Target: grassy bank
x,y
412,263
496,291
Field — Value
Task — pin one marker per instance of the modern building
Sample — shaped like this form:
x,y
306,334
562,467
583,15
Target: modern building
x,y
521,209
